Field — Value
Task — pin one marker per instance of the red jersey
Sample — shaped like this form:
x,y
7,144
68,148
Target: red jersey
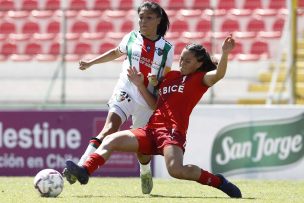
x,y
178,95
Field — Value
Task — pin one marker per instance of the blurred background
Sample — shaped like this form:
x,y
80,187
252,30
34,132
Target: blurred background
x,y
41,42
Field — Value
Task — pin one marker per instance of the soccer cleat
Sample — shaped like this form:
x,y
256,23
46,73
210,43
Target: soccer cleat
x,y
229,188
146,183
78,171
70,178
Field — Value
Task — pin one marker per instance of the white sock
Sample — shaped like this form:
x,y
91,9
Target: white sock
x,y
145,168
90,150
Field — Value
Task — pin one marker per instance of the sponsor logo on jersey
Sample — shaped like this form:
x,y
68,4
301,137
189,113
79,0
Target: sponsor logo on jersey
x,y
159,51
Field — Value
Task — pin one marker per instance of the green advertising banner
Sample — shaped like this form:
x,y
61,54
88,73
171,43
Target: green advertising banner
x,y
258,145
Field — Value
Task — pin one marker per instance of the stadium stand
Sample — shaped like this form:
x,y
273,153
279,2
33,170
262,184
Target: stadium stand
x,y
29,5
30,27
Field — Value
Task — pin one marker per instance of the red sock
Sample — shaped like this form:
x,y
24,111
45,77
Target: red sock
x,y
93,162
207,178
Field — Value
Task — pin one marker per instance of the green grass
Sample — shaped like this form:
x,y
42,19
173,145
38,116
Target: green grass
x,y
20,189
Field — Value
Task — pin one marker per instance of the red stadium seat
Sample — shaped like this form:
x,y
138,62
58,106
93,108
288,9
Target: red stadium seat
x,y
127,26
7,5
78,4
278,24
125,5
29,5
179,48
203,25
7,28
238,49
256,25
200,4
260,48
104,26
82,48
33,49
252,4
80,27
176,4
102,5
8,49
230,25
226,4
52,4
54,48
179,26
53,27
30,28
104,47
208,46
277,4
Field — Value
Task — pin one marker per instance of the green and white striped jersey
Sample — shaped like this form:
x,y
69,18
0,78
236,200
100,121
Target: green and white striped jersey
x,y
148,57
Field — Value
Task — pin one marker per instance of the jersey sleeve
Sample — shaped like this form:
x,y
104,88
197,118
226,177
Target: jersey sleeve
x,y
170,58
123,44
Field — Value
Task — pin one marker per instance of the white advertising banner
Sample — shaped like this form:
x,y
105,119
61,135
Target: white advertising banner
x,y
245,142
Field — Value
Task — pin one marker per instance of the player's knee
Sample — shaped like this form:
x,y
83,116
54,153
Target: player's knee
x,y
175,171
109,143
107,130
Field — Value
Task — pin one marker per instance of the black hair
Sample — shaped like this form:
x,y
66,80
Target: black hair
x,y
164,24
202,55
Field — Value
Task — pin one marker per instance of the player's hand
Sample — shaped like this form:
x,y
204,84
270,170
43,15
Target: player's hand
x,y
83,64
228,44
137,78
152,79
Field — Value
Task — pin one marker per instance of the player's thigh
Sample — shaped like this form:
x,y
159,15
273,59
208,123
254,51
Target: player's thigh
x,y
124,141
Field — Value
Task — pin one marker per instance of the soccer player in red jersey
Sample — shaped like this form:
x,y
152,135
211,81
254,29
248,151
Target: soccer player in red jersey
x,y
165,133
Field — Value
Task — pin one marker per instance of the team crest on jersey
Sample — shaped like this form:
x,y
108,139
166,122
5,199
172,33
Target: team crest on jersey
x,y
148,48
122,96
159,51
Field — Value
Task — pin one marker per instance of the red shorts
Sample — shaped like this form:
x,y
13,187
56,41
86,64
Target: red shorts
x,y
153,141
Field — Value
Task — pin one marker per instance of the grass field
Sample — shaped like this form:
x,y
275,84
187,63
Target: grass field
x,y
20,189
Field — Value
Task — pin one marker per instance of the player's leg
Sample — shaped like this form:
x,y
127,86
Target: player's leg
x,y
123,141
140,118
120,108
173,155
112,125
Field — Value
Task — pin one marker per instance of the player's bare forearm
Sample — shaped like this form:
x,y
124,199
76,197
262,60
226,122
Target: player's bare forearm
x,y
214,76
107,56
149,98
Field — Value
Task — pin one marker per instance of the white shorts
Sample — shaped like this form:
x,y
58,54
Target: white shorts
x,y
123,105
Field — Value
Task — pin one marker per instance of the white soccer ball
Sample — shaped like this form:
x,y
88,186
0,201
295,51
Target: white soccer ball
x,y
49,183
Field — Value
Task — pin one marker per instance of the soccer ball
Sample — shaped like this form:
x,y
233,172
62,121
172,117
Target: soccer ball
x,y
49,183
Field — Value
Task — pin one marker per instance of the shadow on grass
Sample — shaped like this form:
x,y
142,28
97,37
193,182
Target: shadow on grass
x,y
160,196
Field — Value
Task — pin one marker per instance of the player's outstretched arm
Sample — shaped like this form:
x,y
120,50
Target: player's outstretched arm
x,y
214,76
105,57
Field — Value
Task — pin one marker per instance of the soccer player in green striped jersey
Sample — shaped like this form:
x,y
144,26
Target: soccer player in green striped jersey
x,y
148,52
